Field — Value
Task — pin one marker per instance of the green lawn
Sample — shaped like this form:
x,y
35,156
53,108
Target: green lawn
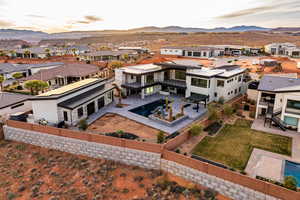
x,y
234,144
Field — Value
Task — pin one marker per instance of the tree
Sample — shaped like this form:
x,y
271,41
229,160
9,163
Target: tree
x,y
35,86
17,76
290,182
74,51
2,53
47,51
115,65
2,79
160,137
126,57
196,130
83,125
27,53
228,110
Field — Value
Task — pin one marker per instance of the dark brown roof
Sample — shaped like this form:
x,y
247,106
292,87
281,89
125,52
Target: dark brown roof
x,y
66,70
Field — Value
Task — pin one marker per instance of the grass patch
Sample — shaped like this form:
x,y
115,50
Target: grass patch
x,y
234,144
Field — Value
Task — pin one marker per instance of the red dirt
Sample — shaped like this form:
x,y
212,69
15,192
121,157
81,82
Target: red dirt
x,y
30,172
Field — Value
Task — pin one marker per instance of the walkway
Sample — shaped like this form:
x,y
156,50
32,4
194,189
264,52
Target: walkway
x,y
136,101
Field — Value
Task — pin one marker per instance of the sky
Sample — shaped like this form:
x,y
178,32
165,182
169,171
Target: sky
x,y
72,15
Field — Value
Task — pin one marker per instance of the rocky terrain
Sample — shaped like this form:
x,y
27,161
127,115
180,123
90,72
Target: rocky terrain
x,y
29,172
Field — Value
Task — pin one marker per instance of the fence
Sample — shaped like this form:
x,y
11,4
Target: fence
x,y
169,156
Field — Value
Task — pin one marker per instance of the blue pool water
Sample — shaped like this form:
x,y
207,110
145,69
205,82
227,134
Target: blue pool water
x,y
292,169
146,110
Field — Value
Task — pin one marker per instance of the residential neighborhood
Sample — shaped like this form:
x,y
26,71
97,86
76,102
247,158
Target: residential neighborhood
x,y
176,100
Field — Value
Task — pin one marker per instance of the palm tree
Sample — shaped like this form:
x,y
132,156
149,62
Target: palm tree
x,y
74,51
2,79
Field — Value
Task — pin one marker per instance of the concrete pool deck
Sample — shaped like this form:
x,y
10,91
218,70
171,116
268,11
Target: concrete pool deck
x,y
136,101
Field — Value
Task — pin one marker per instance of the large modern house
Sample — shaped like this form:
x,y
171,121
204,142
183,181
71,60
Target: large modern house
x,y
11,103
283,49
278,101
208,84
196,52
73,102
107,55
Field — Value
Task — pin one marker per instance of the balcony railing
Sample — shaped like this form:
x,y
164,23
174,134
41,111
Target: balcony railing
x,y
292,111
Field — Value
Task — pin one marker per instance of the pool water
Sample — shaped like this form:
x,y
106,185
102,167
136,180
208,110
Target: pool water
x,y
146,110
292,169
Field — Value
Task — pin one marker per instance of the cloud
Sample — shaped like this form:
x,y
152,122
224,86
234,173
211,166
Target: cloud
x,y
89,19
5,24
36,16
271,6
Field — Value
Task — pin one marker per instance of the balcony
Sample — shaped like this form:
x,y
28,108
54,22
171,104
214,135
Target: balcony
x,y
174,83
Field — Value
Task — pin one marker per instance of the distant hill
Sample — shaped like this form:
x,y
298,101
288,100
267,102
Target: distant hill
x,y
36,36
287,29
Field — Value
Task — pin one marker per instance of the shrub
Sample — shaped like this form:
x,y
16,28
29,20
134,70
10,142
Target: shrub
x,y
195,130
19,87
252,114
212,113
228,110
221,100
290,183
11,196
160,137
120,132
236,106
177,151
83,124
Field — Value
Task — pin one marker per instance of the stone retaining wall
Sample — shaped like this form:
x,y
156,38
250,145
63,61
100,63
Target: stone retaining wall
x,y
96,150
224,187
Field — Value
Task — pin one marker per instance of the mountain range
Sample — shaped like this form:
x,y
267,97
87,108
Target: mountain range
x,y
35,36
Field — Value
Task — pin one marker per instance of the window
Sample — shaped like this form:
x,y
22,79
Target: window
x,y
228,93
65,116
180,75
150,79
16,106
109,95
80,112
196,54
240,89
220,83
292,121
235,91
189,53
101,103
216,94
199,82
149,90
240,78
204,54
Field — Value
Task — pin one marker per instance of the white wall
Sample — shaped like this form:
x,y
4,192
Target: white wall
x,y
45,109
9,110
176,52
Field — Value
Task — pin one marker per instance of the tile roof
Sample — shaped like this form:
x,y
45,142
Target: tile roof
x,y
71,70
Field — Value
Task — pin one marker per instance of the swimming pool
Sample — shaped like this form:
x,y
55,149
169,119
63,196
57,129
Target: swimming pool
x,y
146,110
292,169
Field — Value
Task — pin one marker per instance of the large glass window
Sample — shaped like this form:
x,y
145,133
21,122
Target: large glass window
x,y
220,83
149,90
196,54
199,82
293,107
180,75
80,112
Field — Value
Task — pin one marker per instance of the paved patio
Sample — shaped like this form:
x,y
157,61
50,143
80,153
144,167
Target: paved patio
x,y
268,164
136,101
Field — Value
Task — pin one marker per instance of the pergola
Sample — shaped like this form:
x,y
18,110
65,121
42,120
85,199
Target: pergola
x,y
198,98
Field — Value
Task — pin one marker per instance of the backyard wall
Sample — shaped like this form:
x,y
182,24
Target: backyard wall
x,y
153,156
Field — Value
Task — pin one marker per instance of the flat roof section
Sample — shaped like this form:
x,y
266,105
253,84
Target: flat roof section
x,y
69,87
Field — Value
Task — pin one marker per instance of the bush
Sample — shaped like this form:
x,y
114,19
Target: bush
x,y
119,132
177,151
252,114
236,106
160,137
19,87
83,124
221,100
290,182
195,130
212,113
228,110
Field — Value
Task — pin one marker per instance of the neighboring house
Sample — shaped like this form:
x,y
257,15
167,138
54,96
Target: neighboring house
x,y
186,80
196,52
65,74
238,50
34,52
107,55
139,50
278,101
73,102
8,69
283,49
11,103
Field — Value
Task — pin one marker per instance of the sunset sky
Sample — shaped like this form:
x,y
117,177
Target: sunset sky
x,y
65,15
